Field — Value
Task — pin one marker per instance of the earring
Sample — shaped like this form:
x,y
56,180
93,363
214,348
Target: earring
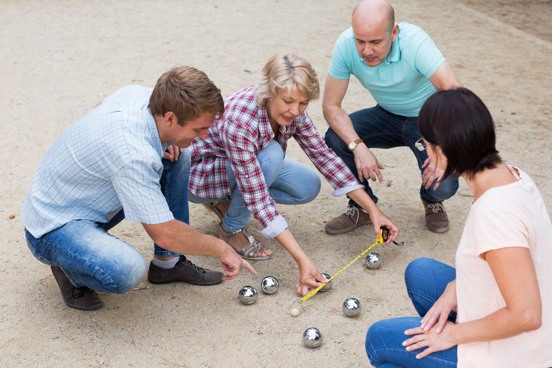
x,y
444,162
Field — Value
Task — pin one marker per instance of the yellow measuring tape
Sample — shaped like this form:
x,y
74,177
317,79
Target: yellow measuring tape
x,y
379,240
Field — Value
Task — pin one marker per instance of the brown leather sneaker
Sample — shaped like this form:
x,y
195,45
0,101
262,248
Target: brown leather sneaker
x,y
436,217
352,218
82,298
184,271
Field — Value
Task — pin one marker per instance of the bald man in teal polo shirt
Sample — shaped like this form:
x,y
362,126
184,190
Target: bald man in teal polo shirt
x,y
401,67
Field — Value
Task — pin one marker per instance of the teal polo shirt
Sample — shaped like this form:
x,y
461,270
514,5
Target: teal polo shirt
x,y
400,84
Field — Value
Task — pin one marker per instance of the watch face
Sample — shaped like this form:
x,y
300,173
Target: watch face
x,y
352,145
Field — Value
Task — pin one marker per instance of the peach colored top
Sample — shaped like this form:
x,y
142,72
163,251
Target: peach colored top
x,y
512,215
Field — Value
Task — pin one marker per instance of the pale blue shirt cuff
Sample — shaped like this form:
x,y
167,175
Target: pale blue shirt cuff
x,y
275,228
349,188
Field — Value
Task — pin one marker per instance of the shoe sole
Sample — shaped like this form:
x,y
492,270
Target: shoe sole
x,y
344,231
438,230
187,282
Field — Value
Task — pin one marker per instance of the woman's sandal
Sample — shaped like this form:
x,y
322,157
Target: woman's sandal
x,y
218,207
247,252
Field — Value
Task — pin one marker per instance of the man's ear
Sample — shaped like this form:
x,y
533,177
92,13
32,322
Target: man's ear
x,y
170,118
394,32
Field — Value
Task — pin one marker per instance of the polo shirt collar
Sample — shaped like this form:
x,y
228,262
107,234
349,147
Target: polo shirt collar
x,y
395,53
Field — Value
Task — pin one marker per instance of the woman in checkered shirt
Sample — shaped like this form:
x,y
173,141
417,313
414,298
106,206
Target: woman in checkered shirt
x,y
241,167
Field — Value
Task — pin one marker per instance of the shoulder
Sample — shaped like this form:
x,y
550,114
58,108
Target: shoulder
x,y
345,39
241,104
411,36
130,94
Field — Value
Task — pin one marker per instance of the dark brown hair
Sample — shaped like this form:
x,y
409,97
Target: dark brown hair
x,y
459,123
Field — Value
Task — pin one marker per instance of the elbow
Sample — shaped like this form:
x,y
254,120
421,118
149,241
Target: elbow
x,y
531,320
534,323
326,111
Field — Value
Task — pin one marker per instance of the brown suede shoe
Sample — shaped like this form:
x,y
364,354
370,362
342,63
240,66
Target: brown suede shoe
x,y
82,298
184,271
436,217
352,218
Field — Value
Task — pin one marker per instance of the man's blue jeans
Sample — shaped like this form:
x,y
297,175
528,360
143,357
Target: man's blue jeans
x,y
90,256
379,128
288,181
426,280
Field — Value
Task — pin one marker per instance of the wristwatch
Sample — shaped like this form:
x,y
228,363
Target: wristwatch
x,y
354,144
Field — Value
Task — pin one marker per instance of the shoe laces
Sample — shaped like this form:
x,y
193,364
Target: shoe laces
x,y
352,212
436,207
189,263
82,291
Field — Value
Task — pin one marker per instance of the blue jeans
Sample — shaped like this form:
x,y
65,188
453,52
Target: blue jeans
x,y
426,280
288,181
90,256
379,128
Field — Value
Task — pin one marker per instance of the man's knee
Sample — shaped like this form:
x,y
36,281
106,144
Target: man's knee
x,y
122,275
446,189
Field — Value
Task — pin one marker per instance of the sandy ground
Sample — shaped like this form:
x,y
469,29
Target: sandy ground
x,y
60,58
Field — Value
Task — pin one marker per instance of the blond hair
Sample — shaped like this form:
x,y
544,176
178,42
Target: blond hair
x,y
188,93
287,72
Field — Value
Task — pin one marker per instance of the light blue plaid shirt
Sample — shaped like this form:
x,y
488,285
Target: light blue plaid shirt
x,y
108,161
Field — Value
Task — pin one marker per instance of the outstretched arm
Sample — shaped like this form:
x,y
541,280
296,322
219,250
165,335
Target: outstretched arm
x,y
179,237
309,276
378,218
366,162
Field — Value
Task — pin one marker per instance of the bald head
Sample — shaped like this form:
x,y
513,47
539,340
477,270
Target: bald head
x,y
374,12
375,30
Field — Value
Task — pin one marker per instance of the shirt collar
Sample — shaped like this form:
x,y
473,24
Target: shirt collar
x,y
395,53
153,137
264,121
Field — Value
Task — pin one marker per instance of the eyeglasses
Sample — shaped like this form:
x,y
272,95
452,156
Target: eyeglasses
x,y
420,145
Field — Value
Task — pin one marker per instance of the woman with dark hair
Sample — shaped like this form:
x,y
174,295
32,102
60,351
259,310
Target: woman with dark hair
x,y
241,167
495,308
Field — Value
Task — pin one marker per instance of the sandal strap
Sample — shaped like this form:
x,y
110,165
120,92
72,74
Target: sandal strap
x,y
251,239
254,245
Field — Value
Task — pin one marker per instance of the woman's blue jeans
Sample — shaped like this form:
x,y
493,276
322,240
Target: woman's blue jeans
x,y
426,279
90,256
379,128
288,181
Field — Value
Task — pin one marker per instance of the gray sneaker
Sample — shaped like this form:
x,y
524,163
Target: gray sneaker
x,y
436,217
350,220
184,271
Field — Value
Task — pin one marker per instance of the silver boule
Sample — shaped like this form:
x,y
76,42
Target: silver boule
x,y
269,285
312,338
352,307
248,295
373,261
329,284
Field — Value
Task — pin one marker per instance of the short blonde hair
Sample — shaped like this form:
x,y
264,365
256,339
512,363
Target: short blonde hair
x,y
188,93
287,72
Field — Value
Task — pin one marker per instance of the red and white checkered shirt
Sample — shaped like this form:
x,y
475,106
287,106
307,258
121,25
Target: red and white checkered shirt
x,y
242,132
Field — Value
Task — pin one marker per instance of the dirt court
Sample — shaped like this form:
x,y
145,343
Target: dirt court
x,y
60,58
